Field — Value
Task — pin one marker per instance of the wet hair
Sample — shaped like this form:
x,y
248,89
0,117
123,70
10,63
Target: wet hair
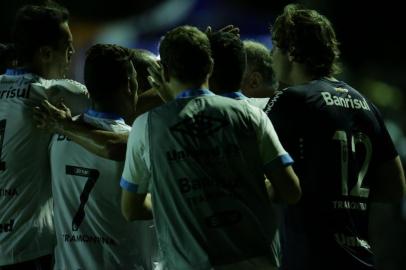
x,y
185,53
37,26
309,37
142,60
259,59
229,61
107,67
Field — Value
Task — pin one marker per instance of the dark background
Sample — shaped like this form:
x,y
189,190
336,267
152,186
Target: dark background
x,y
370,34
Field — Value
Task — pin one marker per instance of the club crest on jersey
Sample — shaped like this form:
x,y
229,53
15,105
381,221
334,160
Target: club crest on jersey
x,y
199,126
346,102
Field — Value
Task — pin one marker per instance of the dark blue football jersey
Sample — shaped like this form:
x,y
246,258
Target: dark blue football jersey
x,y
336,138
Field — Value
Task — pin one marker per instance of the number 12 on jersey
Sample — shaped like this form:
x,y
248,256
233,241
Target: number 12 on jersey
x,y
357,138
92,176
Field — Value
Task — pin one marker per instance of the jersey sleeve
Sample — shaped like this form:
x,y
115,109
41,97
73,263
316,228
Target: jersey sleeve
x,y
137,169
385,148
271,150
73,94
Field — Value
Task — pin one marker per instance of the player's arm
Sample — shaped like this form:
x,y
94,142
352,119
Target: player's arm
x,y
135,206
106,144
136,177
285,184
388,183
103,143
388,179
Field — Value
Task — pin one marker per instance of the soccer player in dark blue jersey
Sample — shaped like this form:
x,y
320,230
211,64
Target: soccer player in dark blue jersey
x,y
343,153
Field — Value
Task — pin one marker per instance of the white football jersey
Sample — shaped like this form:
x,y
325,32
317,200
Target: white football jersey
x,y
26,229
91,231
202,157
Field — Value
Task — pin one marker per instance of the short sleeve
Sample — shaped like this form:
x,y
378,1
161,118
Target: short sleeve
x,y
385,148
137,167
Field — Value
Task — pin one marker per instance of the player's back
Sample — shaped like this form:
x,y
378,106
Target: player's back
x,y
91,231
25,184
335,137
208,179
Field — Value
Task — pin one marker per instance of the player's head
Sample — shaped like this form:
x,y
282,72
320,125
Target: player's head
x,y
7,57
259,78
308,38
229,62
186,56
110,76
142,60
43,39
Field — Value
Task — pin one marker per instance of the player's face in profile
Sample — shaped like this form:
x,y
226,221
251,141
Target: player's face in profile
x,y
62,53
280,64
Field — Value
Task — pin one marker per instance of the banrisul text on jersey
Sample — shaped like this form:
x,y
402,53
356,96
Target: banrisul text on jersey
x,y
346,102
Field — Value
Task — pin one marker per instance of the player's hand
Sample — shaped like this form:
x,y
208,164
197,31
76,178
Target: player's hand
x,y
157,81
229,28
50,117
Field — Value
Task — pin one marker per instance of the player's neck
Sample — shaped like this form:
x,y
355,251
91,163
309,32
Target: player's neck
x,y
176,87
300,75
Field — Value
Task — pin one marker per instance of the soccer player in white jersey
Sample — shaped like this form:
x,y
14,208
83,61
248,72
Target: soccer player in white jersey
x,y
106,144
43,44
230,58
91,232
203,158
258,82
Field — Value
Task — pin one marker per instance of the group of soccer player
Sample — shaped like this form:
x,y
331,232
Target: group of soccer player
x,y
219,155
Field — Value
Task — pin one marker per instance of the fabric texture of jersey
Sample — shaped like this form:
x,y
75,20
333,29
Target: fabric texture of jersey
x,y
335,137
203,157
276,208
26,229
90,229
258,102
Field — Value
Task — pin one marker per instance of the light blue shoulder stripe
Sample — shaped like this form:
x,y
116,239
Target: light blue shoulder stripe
x,y
128,186
281,161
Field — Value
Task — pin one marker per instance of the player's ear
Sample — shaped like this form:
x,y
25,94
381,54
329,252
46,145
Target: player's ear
x,y
45,54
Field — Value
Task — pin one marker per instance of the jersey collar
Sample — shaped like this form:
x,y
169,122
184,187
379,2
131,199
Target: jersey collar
x,y
234,95
17,71
190,93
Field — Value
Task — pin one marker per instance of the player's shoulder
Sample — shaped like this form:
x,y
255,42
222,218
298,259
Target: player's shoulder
x,y
63,85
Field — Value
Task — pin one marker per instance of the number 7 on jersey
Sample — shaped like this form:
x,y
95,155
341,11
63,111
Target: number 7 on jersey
x,y
92,176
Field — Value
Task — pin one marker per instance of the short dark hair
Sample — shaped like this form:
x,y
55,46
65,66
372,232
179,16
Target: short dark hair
x,y
185,51
7,56
259,59
309,37
37,26
142,60
107,67
230,59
